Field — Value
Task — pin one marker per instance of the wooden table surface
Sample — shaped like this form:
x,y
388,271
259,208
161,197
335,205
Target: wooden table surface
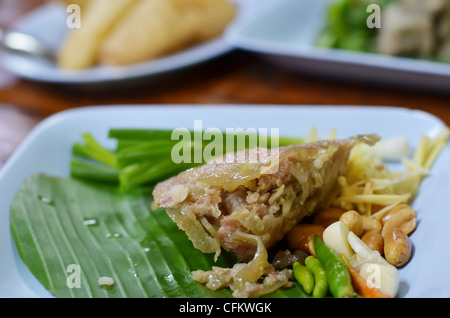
x,y
237,78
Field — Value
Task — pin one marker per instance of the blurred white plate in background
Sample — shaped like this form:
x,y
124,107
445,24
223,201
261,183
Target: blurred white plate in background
x,y
48,23
285,32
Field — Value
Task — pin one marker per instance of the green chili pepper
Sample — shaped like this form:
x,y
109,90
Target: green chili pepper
x,y
304,277
320,278
338,277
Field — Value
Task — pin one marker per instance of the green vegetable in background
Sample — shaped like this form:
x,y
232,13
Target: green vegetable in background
x,y
346,25
338,277
304,277
320,278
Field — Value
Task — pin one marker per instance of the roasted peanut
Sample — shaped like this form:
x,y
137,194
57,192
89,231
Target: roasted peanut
x,y
328,216
353,221
374,240
300,235
404,219
371,224
397,247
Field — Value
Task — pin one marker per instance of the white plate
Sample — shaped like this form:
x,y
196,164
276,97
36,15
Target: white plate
x,y
285,32
48,148
48,23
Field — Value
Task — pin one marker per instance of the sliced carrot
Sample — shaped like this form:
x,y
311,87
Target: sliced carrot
x,y
360,284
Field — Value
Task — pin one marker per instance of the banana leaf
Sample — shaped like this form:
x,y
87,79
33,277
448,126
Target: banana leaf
x,y
70,233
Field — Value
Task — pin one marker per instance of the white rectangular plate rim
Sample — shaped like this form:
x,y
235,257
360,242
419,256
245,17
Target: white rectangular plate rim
x,y
17,281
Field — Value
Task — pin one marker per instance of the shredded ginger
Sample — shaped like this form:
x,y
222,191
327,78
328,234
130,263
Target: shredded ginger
x,y
368,182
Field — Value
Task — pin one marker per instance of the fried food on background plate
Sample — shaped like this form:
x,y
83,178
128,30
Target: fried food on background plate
x,y
154,28
123,32
81,46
